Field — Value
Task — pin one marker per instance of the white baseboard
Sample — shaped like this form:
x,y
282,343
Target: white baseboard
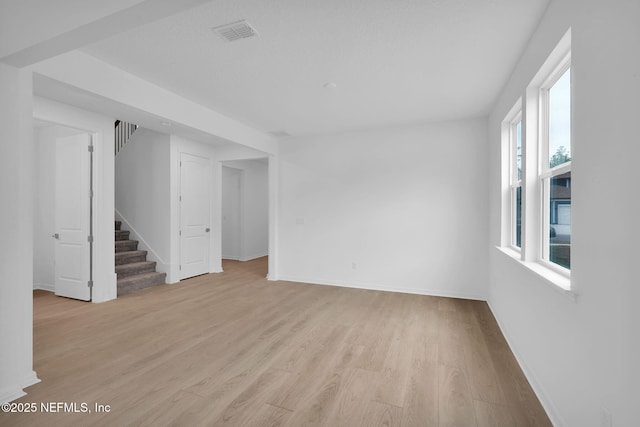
x,y
244,258
44,287
9,395
255,256
12,393
31,379
538,389
377,287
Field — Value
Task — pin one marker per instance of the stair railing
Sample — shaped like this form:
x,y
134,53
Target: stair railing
x,y
123,132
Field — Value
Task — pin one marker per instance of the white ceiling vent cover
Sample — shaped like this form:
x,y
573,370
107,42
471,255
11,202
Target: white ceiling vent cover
x,y
235,31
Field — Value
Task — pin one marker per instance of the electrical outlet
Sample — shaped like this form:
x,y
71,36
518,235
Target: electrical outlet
x,y
353,266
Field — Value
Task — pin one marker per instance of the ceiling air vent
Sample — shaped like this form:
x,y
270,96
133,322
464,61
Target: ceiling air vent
x,y
235,31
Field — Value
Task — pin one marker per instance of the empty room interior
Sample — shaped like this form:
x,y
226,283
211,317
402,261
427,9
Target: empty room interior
x,y
336,213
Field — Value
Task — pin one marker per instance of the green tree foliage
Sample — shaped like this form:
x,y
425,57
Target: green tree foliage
x,y
561,156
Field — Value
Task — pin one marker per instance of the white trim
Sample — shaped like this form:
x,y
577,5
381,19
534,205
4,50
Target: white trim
x,y
102,131
241,214
538,389
30,379
253,256
44,286
557,268
557,281
11,394
383,288
273,171
510,181
564,63
513,144
558,170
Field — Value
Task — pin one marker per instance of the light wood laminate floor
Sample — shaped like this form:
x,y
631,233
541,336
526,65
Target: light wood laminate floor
x,y
235,349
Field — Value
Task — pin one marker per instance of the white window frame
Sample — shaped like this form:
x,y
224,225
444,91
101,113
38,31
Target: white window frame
x,y
514,181
546,173
509,181
535,174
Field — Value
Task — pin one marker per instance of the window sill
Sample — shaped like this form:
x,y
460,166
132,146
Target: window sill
x,y
555,280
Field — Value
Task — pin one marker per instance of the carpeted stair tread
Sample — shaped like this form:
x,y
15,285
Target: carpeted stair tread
x,y
135,268
122,235
126,245
140,281
128,257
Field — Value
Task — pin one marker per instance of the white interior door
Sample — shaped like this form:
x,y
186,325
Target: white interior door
x,y
195,197
72,263
231,190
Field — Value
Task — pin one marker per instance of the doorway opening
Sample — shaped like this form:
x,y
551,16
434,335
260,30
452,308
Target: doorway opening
x,y
63,226
245,214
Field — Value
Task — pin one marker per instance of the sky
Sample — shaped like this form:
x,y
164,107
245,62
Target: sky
x,y
560,114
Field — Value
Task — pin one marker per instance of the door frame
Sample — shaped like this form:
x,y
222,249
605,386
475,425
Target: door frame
x,y
241,207
178,145
101,130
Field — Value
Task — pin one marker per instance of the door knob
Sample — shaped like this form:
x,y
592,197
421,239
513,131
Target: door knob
x,y
207,230
56,236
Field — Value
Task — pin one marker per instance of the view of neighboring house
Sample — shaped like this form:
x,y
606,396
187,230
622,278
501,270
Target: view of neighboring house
x,y
560,219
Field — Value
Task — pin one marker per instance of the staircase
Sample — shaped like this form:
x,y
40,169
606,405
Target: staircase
x,y
133,270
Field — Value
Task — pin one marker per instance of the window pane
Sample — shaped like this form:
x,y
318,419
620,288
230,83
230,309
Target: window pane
x,y
518,217
560,121
519,150
560,220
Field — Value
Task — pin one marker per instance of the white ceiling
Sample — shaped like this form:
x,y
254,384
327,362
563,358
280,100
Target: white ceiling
x,y
395,62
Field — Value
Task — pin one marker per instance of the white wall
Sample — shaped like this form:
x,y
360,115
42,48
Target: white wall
x,y
44,204
143,193
254,206
16,214
231,209
397,209
582,357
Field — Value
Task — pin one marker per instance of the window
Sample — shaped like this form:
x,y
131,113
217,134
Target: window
x,y
555,168
512,143
515,138
536,182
